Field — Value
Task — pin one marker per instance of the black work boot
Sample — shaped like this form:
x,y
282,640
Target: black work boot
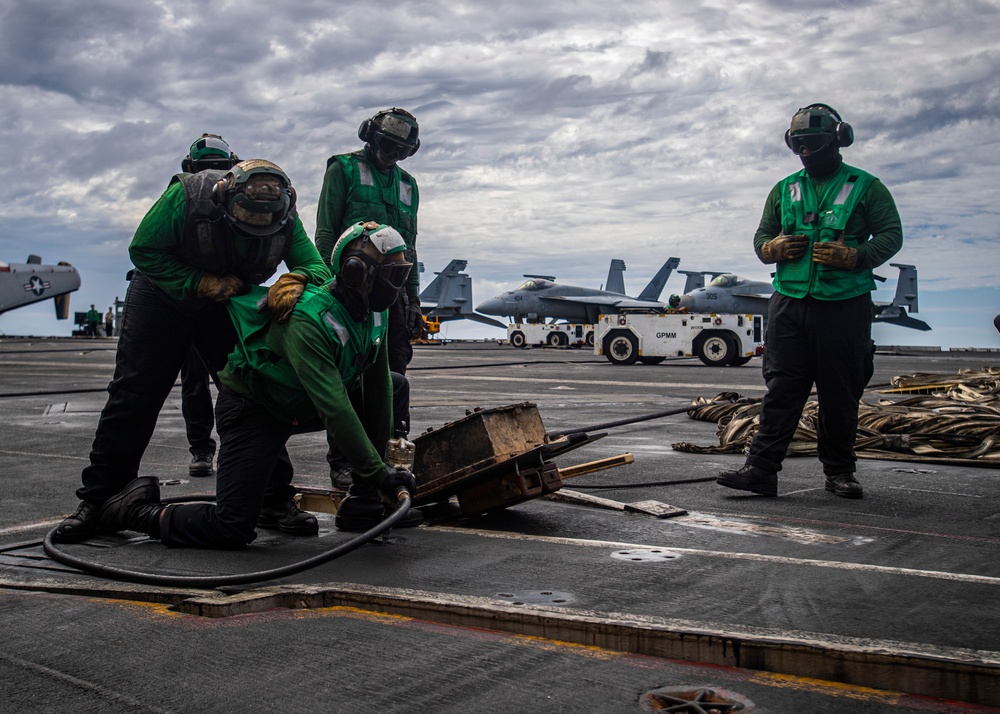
x,y
287,518
750,478
341,476
362,509
844,485
201,465
136,508
84,523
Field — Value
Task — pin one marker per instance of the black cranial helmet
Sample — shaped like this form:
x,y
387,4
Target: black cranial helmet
x,y
209,151
392,135
256,198
815,127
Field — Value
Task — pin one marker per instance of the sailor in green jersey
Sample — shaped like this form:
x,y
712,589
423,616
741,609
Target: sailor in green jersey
x,y
93,318
369,185
326,367
210,236
825,228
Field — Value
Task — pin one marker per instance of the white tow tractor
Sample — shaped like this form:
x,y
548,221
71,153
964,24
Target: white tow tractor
x,y
540,334
650,338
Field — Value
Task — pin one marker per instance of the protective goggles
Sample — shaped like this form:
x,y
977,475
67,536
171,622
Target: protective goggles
x,y
812,143
390,148
394,274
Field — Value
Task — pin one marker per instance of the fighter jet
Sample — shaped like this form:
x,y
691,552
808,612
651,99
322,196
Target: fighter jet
x,y
449,297
25,283
729,293
540,298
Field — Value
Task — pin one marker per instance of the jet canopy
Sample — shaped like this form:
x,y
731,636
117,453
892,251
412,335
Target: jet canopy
x,y
726,280
535,284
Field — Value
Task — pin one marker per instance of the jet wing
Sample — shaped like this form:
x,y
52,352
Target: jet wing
x,y
604,301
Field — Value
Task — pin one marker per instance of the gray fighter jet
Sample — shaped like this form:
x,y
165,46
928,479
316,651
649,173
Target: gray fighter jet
x,y
729,293
540,298
25,283
449,296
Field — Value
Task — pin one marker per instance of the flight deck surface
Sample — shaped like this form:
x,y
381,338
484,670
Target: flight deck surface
x,y
805,602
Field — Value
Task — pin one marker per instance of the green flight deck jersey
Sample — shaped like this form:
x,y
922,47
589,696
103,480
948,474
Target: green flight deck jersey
x,y
306,368
156,248
354,190
848,203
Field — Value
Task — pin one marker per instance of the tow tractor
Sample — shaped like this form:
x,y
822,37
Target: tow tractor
x,y
553,334
650,337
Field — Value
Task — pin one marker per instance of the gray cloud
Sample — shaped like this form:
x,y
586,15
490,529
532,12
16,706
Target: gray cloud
x,y
554,135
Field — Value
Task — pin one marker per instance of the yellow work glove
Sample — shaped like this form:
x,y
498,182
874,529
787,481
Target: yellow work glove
x,y
219,287
782,248
282,296
835,254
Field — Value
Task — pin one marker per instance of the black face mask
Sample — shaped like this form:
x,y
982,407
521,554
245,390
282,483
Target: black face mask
x,y
382,295
823,162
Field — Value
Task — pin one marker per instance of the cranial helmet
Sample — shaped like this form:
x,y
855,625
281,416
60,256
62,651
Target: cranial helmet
x,y
256,198
392,134
816,127
210,151
368,258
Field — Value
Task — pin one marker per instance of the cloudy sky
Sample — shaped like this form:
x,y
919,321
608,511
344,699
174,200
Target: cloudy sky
x,y
555,136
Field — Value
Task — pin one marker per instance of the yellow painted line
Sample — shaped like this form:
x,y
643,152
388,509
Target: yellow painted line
x,y
825,687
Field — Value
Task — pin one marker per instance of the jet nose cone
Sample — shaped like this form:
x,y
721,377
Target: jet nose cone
x,y
687,301
493,306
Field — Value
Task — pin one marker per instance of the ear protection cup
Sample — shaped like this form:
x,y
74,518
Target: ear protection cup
x,y
352,272
186,165
841,129
365,130
220,192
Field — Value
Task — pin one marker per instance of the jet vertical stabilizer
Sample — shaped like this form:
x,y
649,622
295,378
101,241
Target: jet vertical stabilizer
x,y
906,287
652,291
616,277
449,296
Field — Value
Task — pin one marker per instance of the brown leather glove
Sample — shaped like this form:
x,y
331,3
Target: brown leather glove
x,y
835,254
282,296
219,287
783,248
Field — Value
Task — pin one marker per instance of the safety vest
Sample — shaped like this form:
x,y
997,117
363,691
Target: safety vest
x,y
263,372
822,218
374,196
209,244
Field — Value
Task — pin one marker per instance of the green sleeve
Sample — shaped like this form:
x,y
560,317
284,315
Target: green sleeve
x,y
312,354
330,210
154,247
413,287
876,215
303,258
770,220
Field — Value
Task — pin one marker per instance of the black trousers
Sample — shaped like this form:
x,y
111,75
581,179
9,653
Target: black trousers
x,y
814,342
154,339
251,473
197,404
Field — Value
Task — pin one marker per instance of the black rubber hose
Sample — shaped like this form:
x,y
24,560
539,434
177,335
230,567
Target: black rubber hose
x,y
215,581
